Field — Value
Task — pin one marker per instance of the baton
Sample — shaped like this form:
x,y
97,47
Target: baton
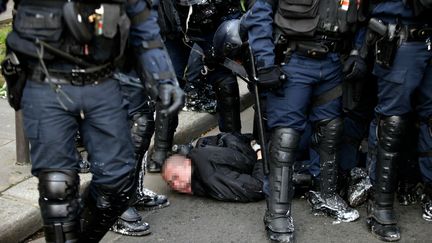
x,y
261,129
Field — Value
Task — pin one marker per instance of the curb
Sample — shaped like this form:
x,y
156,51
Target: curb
x,y
19,209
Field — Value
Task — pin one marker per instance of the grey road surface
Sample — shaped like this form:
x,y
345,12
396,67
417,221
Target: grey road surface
x,y
193,219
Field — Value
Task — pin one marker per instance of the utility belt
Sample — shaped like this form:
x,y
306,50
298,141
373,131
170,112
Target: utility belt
x,y
387,38
77,77
317,49
409,33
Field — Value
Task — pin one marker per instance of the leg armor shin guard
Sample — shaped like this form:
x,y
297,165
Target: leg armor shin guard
x,y
143,127
327,138
164,135
283,146
391,131
381,216
59,204
102,207
228,105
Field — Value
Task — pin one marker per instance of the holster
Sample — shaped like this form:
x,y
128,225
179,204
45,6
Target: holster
x,y
385,50
15,77
387,42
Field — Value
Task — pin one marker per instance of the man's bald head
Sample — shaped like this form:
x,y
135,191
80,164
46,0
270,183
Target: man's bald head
x,y
177,172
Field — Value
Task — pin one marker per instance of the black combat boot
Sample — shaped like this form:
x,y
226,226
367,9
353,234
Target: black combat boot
x,y
130,223
381,216
149,200
326,139
142,129
164,135
277,219
102,207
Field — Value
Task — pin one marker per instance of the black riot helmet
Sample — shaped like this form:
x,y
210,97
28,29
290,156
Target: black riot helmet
x,y
227,41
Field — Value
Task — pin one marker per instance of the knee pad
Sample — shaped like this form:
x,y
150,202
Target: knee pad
x,y
59,193
283,146
391,130
328,134
59,204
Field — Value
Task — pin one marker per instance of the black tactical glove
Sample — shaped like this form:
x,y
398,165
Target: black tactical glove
x,y
172,98
355,68
269,77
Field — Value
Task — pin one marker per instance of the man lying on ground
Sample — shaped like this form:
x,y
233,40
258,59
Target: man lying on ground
x,y
224,167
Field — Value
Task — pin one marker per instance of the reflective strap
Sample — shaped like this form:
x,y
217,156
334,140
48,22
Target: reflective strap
x,y
327,96
163,75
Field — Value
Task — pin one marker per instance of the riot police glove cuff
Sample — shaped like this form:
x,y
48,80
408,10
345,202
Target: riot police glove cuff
x,y
172,98
355,68
269,78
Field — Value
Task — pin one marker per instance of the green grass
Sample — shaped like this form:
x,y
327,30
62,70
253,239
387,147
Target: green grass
x,y
4,30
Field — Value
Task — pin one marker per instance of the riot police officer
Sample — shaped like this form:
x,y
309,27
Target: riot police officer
x,y
309,38
403,68
68,50
199,19
165,126
141,121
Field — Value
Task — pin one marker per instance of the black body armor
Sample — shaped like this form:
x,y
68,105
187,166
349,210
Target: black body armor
x,y
73,32
307,18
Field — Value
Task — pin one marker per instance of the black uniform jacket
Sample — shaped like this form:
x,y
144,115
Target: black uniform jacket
x,y
225,167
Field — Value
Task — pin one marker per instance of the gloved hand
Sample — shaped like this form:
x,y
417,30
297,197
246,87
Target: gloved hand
x,y
172,98
355,68
269,77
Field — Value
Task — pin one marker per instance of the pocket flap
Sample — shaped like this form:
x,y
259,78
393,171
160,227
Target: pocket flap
x,y
296,25
38,22
298,8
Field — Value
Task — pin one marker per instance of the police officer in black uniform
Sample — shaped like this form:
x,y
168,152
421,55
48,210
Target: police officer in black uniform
x,y
403,56
199,20
141,121
305,38
68,51
165,126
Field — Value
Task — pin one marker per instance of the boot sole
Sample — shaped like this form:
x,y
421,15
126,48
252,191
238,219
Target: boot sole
x,y
127,233
384,238
152,208
379,236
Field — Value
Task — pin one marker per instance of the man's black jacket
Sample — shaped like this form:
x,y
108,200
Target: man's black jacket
x,y
225,168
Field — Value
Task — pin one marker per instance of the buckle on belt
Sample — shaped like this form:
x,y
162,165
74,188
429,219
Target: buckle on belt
x,y
77,77
313,51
